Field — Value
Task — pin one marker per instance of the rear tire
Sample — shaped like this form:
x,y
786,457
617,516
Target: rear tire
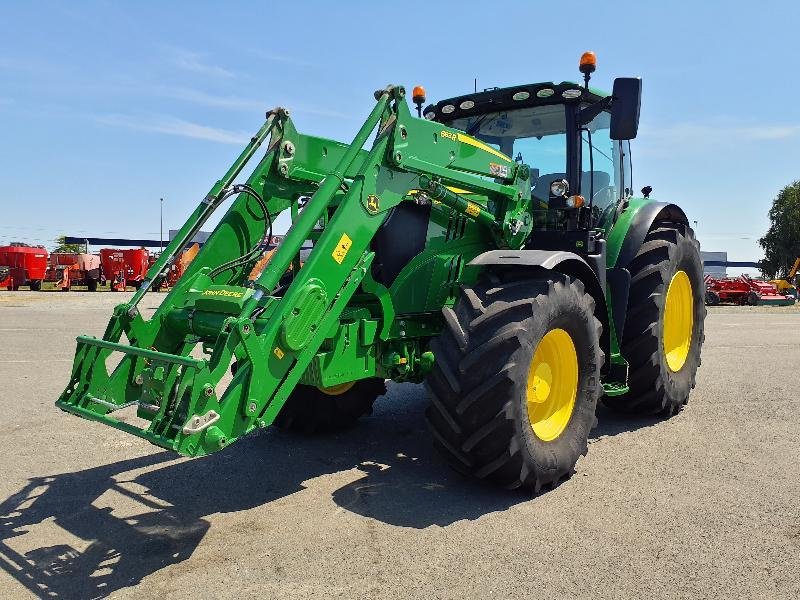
x,y
91,285
36,285
497,410
712,298
312,410
661,374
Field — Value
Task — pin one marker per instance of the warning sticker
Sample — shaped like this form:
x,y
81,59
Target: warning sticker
x,y
473,210
342,248
278,352
498,170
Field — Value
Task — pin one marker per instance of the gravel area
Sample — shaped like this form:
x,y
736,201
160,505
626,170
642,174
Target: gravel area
x,y
704,505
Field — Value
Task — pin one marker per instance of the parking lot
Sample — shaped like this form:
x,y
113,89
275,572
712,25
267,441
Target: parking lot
x,y
706,504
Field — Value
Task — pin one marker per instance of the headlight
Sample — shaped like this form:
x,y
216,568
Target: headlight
x,y
559,188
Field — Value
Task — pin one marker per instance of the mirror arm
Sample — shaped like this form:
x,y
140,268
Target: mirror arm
x,y
590,112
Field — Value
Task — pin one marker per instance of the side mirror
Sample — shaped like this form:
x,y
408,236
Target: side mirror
x,y
627,100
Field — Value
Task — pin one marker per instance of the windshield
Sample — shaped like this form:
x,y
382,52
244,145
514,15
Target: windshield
x,y
535,136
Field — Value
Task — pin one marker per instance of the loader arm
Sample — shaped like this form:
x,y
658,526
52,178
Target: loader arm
x,y
174,366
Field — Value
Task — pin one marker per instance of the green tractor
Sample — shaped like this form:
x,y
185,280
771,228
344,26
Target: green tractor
x,y
489,246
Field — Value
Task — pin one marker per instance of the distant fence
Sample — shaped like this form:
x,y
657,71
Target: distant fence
x,y
731,263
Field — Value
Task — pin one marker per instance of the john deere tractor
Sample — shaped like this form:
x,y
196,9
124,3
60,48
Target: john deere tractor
x,y
489,245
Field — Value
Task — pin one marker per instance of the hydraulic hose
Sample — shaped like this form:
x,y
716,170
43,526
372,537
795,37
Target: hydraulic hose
x,y
244,258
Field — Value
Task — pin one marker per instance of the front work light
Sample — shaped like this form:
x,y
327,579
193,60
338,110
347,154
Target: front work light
x,y
559,188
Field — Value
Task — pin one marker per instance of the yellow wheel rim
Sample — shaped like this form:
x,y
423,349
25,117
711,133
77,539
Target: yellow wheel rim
x,y
552,384
336,390
678,321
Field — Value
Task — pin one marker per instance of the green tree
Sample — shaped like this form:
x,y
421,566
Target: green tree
x,y
781,243
64,247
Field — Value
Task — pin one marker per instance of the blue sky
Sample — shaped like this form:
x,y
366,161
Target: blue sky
x,y
107,106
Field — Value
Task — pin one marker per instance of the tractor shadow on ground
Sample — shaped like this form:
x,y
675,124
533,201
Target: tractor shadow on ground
x,y
127,520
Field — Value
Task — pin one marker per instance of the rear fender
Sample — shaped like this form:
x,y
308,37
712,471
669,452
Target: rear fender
x,y
566,263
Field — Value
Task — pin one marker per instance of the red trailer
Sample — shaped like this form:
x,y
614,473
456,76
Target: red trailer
x,y
72,268
124,267
25,265
743,290
177,269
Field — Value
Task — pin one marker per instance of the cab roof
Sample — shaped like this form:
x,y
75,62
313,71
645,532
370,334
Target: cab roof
x,y
509,98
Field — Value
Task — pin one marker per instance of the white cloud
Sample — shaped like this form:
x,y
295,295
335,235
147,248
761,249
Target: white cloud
x,y
720,132
237,103
281,58
194,62
205,99
173,126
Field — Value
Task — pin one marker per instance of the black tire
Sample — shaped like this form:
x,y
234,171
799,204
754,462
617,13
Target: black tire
x,y
712,298
753,298
479,413
91,285
654,388
310,410
36,285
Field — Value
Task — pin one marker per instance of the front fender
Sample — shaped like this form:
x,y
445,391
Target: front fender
x,y
566,263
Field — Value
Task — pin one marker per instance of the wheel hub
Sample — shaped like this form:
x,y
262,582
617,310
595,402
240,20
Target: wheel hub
x,y
678,321
552,384
336,390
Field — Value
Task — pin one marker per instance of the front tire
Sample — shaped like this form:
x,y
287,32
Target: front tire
x,y
318,410
516,380
664,326
36,285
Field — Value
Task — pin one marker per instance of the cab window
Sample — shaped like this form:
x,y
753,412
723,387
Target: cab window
x,y
602,179
536,136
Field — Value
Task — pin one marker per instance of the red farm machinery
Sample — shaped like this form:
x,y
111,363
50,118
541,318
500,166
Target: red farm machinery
x,y
66,269
124,267
744,290
21,264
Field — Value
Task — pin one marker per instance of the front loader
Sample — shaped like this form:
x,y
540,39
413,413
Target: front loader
x,y
492,249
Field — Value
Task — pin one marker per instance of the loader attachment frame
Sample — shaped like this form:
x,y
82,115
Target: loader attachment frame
x,y
270,327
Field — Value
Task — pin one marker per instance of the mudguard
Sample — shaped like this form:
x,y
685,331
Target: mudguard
x,y
622,252
567,263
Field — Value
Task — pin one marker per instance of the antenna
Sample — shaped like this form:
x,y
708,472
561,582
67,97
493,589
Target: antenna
x,y
476,85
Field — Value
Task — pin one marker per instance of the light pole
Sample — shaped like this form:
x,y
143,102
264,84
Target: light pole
x,y
161,227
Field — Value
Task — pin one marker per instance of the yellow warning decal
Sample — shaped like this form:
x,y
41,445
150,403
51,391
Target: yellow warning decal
x,y
278,352
342,248
473,210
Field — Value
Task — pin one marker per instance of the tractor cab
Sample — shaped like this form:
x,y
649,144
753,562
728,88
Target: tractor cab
x,y
576,141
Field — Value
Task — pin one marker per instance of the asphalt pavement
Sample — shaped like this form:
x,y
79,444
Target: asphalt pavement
x,y
704,505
